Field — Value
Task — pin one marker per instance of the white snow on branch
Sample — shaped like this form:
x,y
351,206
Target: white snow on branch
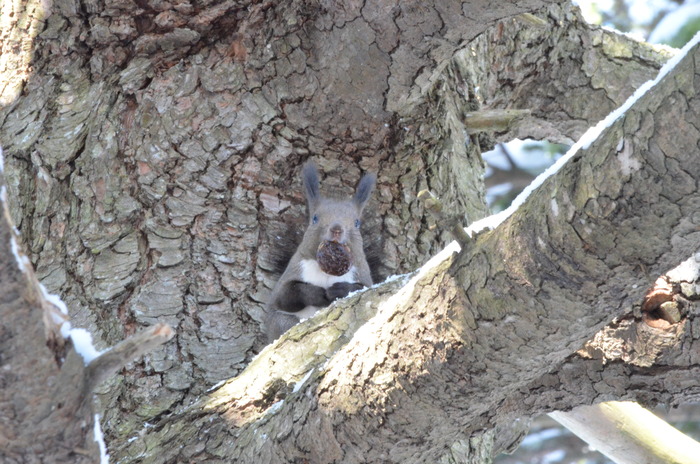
x,y
216,385
301,383
590,136
99,438
22,260
82,342
81,338
275,407
53,299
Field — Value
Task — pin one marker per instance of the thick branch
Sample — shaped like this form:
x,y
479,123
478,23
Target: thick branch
x,y
580,73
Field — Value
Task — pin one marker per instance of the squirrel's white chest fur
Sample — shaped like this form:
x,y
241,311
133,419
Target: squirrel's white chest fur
x,y
311,273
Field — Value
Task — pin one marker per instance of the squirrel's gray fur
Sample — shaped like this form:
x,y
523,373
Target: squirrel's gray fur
x,y
303,288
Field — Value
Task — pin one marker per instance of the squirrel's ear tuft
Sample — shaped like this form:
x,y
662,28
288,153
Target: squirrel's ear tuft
x,y
309,175
364,190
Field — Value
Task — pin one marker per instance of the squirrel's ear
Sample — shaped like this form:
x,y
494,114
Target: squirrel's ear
x,y
364,190
309,175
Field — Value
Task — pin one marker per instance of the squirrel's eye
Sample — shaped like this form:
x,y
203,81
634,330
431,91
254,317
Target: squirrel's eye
x,y
357,223
314,220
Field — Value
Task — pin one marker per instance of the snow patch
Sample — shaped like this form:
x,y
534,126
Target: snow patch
x,y
391,278
82,342
2,161
275,407
216,385
99,438
54,299
81,338
23,262
301,383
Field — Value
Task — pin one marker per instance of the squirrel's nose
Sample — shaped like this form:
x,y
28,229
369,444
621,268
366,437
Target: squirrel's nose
x,y
336,232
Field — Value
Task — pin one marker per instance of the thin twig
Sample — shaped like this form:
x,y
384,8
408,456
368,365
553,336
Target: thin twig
x,y
451,221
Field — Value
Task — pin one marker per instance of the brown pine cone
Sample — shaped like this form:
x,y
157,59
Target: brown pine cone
x,y
334,258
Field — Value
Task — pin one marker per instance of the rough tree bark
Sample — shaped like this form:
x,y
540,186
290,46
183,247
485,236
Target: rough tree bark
x,y
150,149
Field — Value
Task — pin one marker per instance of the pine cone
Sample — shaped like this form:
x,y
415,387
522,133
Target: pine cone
x,y
334,258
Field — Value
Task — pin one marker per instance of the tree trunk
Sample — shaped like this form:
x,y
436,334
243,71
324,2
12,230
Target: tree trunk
x,y
151,160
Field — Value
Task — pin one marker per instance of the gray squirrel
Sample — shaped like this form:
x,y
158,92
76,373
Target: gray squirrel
x,y
330,261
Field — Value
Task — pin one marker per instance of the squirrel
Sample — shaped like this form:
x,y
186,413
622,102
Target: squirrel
x,y
330,261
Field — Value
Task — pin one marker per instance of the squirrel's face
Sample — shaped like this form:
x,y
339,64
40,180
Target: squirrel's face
x,y
333,220
336,221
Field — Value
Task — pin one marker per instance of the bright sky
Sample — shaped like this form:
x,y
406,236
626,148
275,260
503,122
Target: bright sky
x,y
643,12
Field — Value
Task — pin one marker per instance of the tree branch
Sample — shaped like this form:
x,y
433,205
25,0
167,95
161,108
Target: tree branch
x,y
629,434
105,365
493,120
450,222
595,59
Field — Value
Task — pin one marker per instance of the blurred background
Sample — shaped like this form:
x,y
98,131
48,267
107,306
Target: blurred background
x,y
513,165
